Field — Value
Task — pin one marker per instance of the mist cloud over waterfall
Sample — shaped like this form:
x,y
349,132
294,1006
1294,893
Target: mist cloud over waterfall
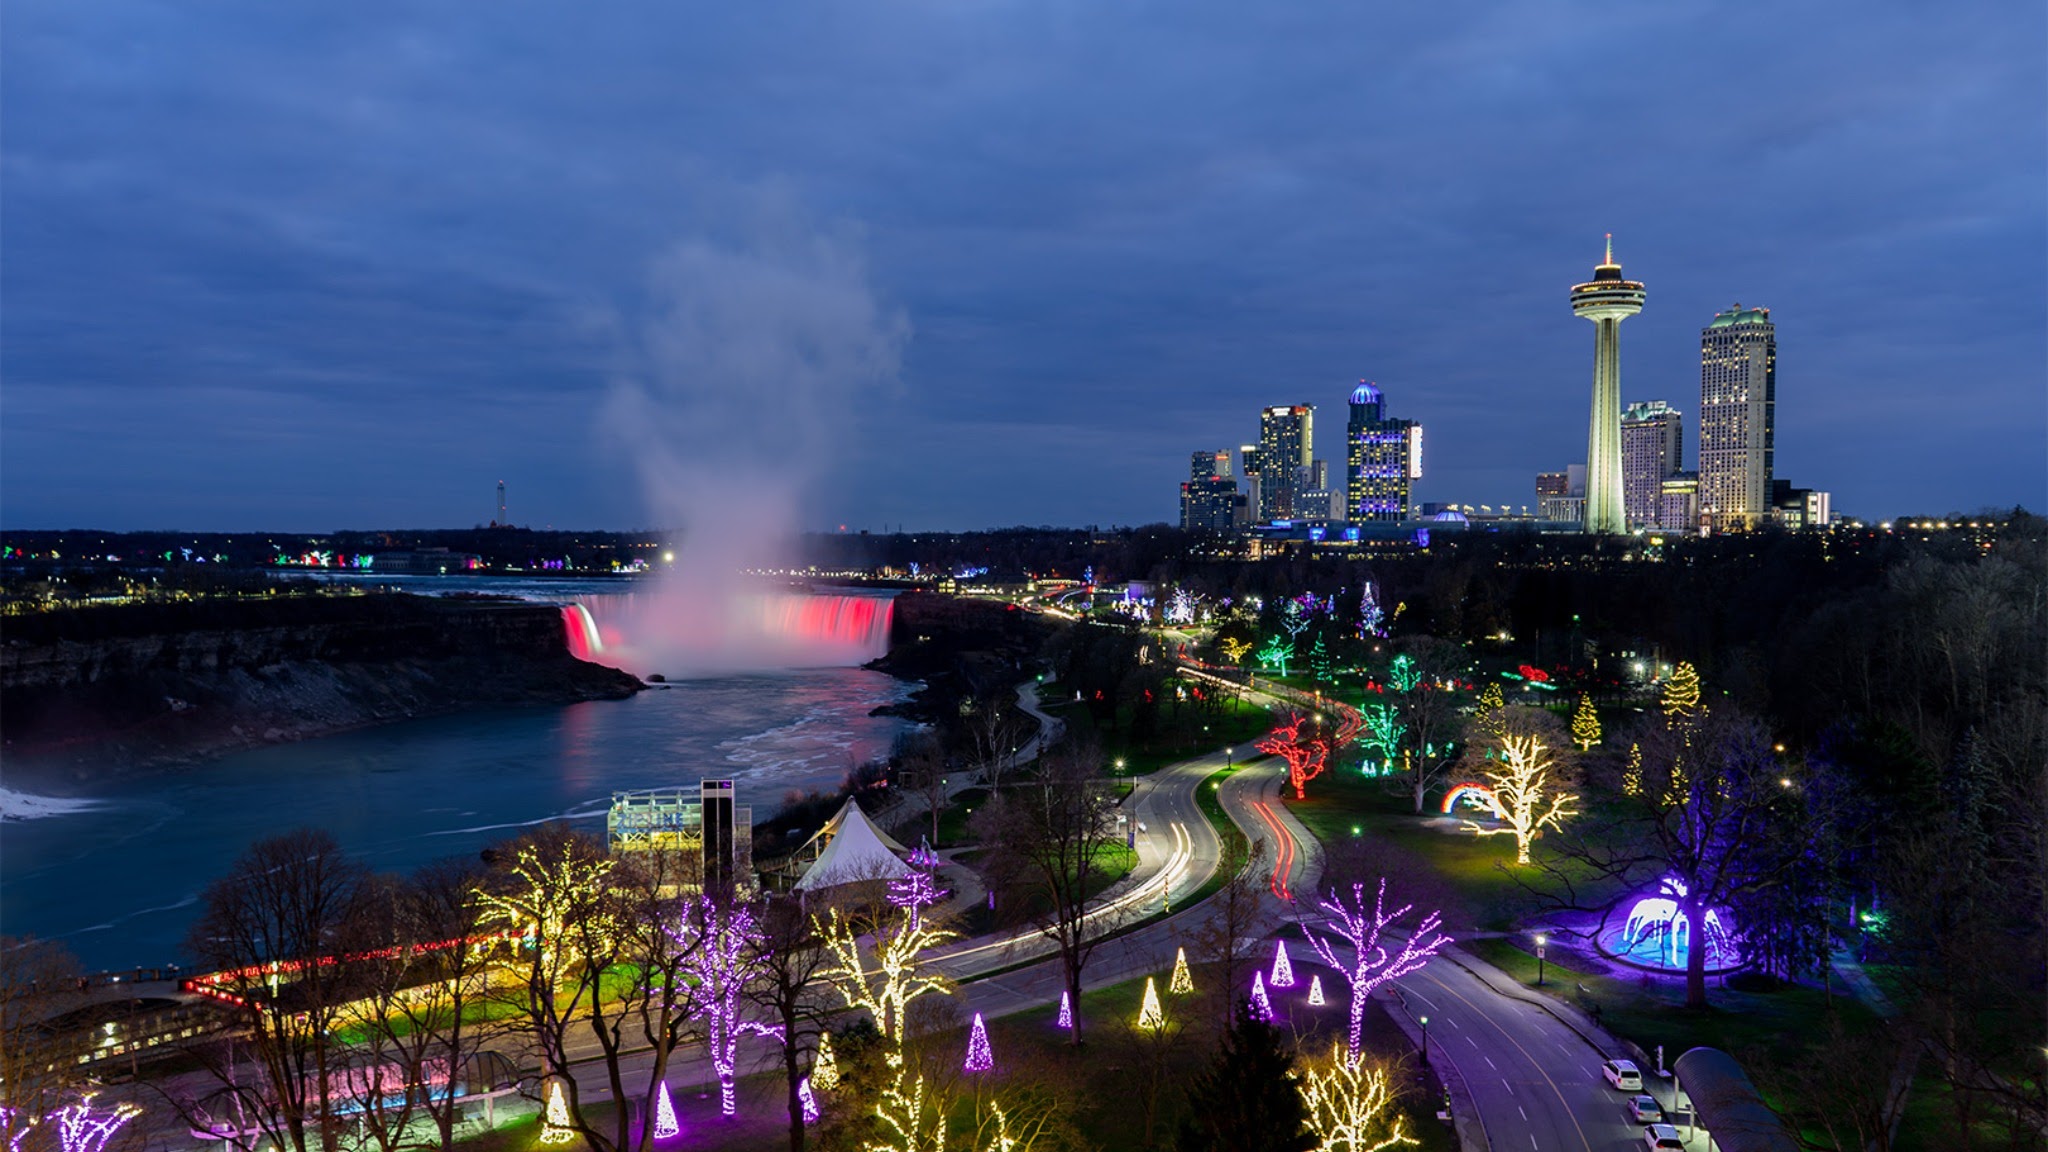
x,y
746,370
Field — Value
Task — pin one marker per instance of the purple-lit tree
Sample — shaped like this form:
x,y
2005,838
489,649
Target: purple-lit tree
x,y
723,943
1371,963
82,1127
979,1057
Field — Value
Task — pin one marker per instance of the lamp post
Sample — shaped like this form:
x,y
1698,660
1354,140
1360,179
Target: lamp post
x,y
1425,1041
1230,757
1541,940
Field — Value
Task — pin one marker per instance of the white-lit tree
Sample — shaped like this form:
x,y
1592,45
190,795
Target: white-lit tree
x,y
1529,794
1371,962
1350,1101
897,976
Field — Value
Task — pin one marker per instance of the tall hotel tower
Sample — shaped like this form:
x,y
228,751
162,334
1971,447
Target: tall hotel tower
x,y
1381,457
1287,444
1738,414
1606,300
1652,448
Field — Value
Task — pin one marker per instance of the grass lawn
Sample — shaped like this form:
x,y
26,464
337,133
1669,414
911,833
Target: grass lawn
x,y
1176,739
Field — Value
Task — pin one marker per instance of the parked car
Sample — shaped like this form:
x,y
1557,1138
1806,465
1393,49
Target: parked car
x,y
1644,1109
1622,1074
1662,1138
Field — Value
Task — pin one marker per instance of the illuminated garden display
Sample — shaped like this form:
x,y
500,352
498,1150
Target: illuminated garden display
x,y
1283,969
1262,1008
1658,933
723,943
1182,982
1371,963
979,1057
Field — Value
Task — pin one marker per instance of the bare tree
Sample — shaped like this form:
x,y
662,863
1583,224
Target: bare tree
x,y
1429,711
1241,910
994,730
791,960
923,766
38,981
1049,839
280,929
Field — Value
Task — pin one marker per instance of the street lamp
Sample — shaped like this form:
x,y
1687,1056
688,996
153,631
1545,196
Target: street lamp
x,y
1119,764
1541,940
1230,757
1425,1041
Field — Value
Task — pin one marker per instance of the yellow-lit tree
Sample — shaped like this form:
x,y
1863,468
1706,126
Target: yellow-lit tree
x,y
896,977
1351,1103
1585,725
1488,712
1682,692
1528,792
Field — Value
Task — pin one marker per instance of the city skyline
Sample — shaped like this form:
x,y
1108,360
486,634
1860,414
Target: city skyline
x,y
353,269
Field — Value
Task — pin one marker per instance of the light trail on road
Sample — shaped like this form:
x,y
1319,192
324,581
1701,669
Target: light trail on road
x,y
1283,852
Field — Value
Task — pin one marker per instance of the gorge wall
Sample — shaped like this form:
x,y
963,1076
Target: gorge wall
x,y
94,692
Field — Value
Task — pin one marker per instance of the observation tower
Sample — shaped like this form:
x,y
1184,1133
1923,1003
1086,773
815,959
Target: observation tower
x,y
1606,300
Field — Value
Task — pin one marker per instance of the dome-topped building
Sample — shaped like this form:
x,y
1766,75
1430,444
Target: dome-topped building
x,y
1381,456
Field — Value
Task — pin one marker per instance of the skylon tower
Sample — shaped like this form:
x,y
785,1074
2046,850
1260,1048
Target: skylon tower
x,y
1606,300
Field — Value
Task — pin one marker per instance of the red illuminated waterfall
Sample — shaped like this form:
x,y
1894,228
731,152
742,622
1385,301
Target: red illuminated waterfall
x,y
667,631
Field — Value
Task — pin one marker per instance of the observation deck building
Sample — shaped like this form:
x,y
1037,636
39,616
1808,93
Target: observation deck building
x,y
1606,300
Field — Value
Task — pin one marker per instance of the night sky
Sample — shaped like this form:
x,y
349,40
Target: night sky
x,y
312,266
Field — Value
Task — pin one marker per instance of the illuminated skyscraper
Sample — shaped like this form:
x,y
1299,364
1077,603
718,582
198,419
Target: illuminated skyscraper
x,y
1738,417
1381,457
1208,497
1652,444
1287,444
1606,300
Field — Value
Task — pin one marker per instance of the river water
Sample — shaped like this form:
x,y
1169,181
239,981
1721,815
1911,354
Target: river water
x,y
118,882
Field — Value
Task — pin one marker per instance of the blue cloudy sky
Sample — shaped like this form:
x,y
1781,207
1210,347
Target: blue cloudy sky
x,y
308,266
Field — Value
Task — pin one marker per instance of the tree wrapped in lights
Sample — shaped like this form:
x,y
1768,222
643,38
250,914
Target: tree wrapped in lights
x,y
911,1120
1319,659
1180,607
1235,649
1403,675
1283,968
825,1068
1489,712
1150,1014
979,1057
1585,725
1182,982
1262,1006
1383,730
1682,692
1351,1103
82,1126
665,1125
1307,746
1277,652
1528,792
1372,621
886,990
807,1100
1372,963
723,942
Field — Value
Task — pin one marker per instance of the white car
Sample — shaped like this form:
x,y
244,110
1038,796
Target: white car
x,y
1622,1074
1662,1138
1644,1109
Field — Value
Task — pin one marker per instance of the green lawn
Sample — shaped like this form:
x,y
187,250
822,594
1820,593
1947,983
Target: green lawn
x,y
1191,734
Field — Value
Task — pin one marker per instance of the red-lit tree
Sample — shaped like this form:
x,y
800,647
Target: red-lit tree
x,y
1307,745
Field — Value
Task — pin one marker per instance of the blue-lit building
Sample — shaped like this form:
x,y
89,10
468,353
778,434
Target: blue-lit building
x,y
1381,456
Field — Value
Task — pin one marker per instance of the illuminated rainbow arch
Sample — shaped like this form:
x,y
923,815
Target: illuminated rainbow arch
x,y
1474,794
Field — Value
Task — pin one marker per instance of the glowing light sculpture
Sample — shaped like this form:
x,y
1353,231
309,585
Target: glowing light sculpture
x,y
1372,963
1471,794
1315,991
979,1058
1682,692
1277,652
721,941
886,988
807,1100
1182,981
665,1125
1262,1008
1371,619
554,1126
1283,969
1660,921
1150,1015
824,1067
1585,725
1066,1019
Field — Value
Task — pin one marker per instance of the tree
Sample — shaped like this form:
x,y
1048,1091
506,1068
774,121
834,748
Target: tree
x,y
1050,839
900,939
791,958
1528,785
1236,913
37,982
722,946
1429,711
280,928
1278,650
1247,1101
1681,699
1585,725
923,766
1351,1103
1308,746
994,730
1371,964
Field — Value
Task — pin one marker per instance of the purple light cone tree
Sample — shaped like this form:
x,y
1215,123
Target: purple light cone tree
x,y
1371,963
1283,968
1262,1008
979,1058
1066,1019
721,937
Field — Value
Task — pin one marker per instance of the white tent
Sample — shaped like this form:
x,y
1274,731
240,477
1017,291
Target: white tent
x,y
857,851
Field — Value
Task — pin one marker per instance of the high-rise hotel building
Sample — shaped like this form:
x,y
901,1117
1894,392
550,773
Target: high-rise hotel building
x,y
1652,448
1287,443
1208,497
1381,456
1738,416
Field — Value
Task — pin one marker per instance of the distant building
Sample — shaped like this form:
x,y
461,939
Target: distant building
x,y
1254,486
1679,502
709,839
1738,417
1562,495
1286,448
1652,448
1798,508
1606,300
1381,456
1208,498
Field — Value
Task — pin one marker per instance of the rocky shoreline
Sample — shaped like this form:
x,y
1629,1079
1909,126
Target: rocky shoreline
x,y
99,693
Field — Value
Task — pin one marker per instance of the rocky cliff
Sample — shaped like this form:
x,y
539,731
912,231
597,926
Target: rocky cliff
x,y
98,691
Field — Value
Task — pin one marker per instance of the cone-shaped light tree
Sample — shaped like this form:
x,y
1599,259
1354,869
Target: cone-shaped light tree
x,y
1585,725
1182,981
